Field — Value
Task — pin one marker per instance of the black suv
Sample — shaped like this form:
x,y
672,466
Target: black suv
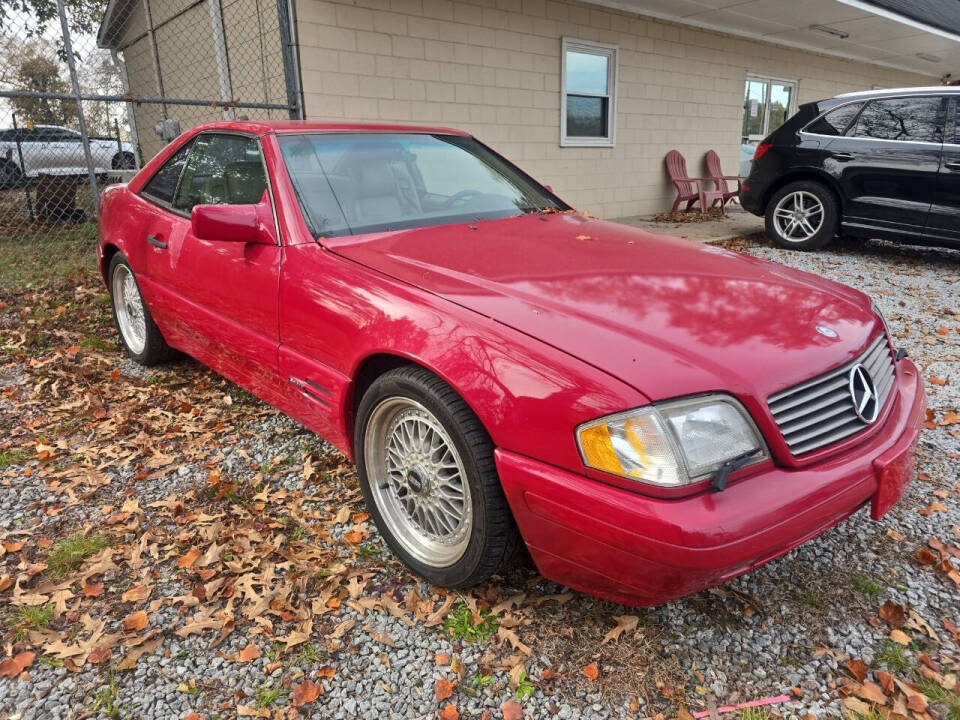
x,y
879,164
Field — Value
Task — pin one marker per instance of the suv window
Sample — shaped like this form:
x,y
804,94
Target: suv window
x,y
163,185
836,121
222,170
919,119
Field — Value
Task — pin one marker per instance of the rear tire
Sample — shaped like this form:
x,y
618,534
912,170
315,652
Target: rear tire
x,y
123,161
10,175
426,468
139,334
802,215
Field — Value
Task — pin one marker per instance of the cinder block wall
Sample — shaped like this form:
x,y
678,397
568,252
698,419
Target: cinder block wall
x,y
492,67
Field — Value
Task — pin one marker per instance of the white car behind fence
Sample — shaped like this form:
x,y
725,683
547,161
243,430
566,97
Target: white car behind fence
x,y
53,150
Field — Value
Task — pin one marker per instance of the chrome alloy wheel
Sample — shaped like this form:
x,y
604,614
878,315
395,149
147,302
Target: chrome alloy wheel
x,y
418,481
128,305
798,216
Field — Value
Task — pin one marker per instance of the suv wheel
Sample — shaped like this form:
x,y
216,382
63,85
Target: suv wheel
x,y
802,216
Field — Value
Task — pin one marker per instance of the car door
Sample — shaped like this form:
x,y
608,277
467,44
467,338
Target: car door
x,y
943,222
887,163
218,299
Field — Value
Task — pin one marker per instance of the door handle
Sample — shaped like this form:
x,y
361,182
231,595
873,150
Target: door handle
x,y
841,155
952,165
152,239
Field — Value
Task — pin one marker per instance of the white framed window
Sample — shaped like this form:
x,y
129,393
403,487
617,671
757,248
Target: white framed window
x,y
588,93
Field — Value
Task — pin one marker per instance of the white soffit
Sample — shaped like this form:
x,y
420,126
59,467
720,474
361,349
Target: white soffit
x,y
874,35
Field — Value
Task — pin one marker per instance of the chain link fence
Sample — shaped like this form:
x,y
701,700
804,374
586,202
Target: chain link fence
x,y
90,91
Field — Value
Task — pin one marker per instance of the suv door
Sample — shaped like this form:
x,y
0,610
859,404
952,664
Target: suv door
x,y
887,164
943,222
219,298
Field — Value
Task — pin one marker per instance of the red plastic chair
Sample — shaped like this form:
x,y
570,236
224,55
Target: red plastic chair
x,y
689,189
719,179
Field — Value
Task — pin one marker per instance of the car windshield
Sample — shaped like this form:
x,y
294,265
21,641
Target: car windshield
x,y
349,184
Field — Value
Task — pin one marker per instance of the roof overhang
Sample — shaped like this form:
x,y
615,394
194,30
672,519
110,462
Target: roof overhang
x,y
114,18
852,29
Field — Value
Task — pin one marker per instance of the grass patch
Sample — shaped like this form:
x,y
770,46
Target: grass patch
x,y
13,457
811,600
892,656
310,653
947,701
68,554
755,714
460,624
267,696
107,701
97,343
27,618
524,687
867,586
33,255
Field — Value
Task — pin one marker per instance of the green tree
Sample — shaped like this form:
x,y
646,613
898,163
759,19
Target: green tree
x,y
31,17
41,74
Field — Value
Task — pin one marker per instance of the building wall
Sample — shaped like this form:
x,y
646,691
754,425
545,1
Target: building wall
x,y
492,67
188,64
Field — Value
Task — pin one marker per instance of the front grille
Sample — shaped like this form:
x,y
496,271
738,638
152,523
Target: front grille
x,y
820,411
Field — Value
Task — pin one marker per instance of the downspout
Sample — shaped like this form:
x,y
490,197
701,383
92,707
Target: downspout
x,y
223,61
156,56
131,116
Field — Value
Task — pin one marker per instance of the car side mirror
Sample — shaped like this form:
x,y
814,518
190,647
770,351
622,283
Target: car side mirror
x,y
548,188
235,223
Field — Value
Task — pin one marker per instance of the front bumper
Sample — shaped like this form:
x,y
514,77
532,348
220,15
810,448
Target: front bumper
x,y
639,550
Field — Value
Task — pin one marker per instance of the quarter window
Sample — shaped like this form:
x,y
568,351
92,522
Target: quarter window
x,y
163,184
918,119
836,121
222,170
588,101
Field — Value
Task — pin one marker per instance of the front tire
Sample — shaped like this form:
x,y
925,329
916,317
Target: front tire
x,y
802,215
426,468
10,175
139,334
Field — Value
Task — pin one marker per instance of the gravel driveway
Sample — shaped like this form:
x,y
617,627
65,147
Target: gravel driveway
x,y
171,546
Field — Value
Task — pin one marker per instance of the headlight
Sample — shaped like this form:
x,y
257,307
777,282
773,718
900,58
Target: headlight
x,y
673,443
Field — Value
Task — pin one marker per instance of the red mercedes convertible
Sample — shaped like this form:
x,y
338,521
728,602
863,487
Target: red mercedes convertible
x,y
649,416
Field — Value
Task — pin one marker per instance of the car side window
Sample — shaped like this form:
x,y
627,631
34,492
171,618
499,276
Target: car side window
x,y
222,170
917,119
163,185
836,121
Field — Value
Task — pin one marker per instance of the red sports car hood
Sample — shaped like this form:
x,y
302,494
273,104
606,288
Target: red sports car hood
x,y
668,316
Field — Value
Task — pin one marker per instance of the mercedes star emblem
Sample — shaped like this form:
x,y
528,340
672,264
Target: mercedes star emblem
x,y
866,404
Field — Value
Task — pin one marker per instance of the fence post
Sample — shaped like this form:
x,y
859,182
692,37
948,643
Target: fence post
x,y
23,167
291,66
223,62
84,137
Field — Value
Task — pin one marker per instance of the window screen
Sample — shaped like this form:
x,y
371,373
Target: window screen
x,y
918,119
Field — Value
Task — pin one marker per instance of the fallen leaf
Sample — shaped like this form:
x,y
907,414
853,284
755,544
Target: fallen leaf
x,y
93,589
306,692
583,238
898,636
11,546
886,681
449,712
186,561
327,671
625,623
247,711
858,668
443,689
895,536
137,593
934,380
591,671
683,714
250,653
442,658
926,557
136,621
354,537
99,655
11,667
512,710
893,614
872,692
